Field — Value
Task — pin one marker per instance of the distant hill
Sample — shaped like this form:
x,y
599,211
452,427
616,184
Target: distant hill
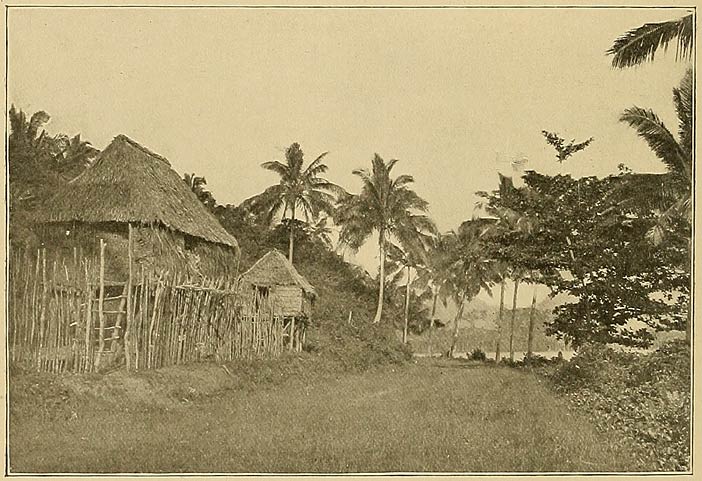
x,y
478,329
549,303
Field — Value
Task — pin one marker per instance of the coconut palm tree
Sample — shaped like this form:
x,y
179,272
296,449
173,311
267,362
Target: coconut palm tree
x,y
640,44
411,256
669,193
26,134
507,221
432,274
470,270
197,185
385,205
300,190
75,155
321,231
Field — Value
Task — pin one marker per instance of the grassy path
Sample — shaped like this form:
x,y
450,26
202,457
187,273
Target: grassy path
x,y
430,418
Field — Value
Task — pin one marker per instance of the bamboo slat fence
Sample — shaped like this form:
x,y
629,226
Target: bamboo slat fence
x,y
64,316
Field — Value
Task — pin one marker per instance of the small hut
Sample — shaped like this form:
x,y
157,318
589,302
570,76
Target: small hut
x,y
133,194
290,295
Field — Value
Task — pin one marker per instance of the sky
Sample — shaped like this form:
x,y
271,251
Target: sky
x,y
454,94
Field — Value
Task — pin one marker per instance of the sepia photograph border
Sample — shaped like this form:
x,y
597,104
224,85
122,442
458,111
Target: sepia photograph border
x,y
696,393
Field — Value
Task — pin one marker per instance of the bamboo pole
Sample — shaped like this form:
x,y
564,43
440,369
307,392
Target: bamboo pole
x,y
154,317
13,317
138,339
42,317
292,332
101,300
88,320
57,319
34,311
128,328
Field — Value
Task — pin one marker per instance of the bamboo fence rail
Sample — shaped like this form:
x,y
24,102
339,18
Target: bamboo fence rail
x,y
64,318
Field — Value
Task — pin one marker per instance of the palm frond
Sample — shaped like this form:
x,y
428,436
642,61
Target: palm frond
x,y
278,167
682,97
659,139
641,44
316,163
402,181
35,123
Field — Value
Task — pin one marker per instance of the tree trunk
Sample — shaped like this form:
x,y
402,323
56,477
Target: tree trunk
x,y
511,322
530,339
292,236
459,314
435,293
499,321
381,275
407,306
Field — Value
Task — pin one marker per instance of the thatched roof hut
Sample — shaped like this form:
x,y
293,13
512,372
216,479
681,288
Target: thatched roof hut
x,y
274,275
130,185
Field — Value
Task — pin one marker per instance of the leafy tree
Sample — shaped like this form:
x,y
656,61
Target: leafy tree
x,y
300,190
509,243
598,248
563,150
640,44
385,205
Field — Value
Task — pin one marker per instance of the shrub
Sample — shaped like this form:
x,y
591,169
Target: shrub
x,y
478,355
644,396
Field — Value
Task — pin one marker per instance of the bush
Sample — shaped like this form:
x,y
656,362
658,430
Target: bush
x,y
644,396
478,355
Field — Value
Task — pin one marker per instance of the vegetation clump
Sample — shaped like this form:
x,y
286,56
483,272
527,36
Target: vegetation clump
x,y
644,396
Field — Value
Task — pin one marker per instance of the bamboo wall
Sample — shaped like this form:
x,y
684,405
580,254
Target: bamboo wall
x,y
66,316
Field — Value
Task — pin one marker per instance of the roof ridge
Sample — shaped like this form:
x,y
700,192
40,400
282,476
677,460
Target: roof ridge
x,y
140,147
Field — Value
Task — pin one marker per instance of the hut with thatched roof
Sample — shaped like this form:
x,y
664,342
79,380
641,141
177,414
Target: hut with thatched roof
x,y
131,193
274,276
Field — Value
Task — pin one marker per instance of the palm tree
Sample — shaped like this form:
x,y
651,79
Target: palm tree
x,y
432,274
470,270
75,156
385,205
508,221
669,193
25,134
299,190
640,44
408,257
532,312
197,185
321,231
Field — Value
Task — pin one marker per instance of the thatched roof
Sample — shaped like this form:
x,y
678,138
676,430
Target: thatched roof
x,y
129,183
274,269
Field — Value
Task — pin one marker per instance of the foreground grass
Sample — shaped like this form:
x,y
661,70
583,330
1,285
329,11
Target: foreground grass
x,y
432,417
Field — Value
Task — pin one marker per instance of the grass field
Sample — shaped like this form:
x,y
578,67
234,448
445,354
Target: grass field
x,y
436,416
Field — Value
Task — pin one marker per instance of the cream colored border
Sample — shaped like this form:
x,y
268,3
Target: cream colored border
x,y
697,340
